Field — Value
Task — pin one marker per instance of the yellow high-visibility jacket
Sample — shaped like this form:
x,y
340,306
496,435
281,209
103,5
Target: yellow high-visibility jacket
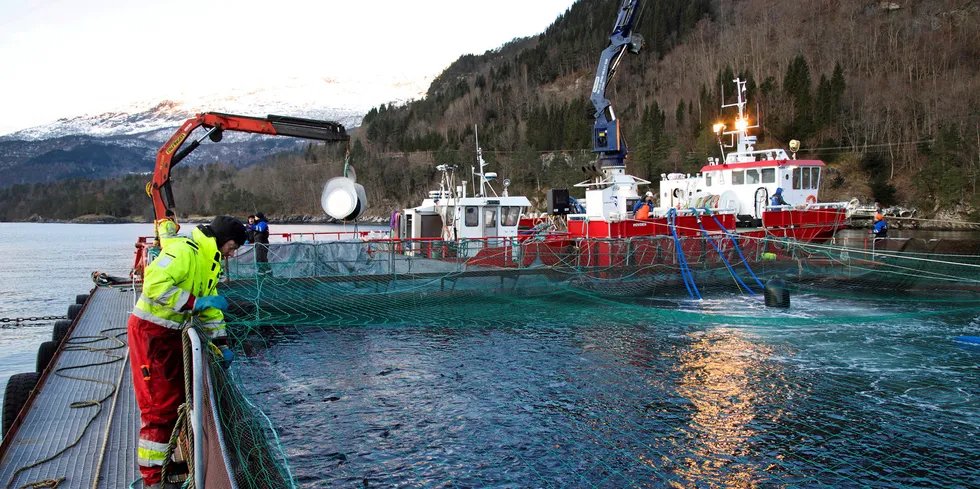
x,y
186,269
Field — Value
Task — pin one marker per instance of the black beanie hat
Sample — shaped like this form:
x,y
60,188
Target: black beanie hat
x,y
227,228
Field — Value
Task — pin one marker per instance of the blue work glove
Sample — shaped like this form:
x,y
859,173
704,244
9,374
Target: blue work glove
x,y
227,356
215,301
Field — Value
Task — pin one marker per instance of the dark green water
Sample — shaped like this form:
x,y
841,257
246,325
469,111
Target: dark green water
x,y
577,391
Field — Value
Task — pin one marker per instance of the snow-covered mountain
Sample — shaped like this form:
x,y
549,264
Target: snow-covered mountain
x,y
125,140
336,99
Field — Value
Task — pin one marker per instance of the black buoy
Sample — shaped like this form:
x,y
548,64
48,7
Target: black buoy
x,y
777,295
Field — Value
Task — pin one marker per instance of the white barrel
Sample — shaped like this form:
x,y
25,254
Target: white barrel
x,y
342,199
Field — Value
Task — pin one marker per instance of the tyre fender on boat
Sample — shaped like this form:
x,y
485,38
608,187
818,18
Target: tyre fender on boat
x,y
60,330
73,311
45,353
15,396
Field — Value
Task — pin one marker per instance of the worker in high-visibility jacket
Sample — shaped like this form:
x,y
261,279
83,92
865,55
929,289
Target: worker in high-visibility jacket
x,y
166,229
180,283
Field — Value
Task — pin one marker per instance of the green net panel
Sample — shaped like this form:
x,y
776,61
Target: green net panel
x,y
584,363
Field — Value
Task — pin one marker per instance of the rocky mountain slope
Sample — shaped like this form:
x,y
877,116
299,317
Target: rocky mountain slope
x,y
125,140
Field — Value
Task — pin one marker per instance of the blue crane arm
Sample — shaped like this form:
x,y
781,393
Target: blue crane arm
x,y
606,137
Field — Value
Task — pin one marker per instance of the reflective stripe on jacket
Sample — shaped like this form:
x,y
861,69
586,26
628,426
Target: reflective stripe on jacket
x,y
185,269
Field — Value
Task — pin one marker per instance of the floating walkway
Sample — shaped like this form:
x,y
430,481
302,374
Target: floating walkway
x,y
92,445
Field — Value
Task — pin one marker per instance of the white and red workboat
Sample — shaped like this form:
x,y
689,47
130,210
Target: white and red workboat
x,y
731,193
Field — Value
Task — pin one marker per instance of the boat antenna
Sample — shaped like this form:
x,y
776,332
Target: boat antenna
x,y
479,159
484,176
473,178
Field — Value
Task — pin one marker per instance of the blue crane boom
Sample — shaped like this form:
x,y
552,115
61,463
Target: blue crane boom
x,y
606,137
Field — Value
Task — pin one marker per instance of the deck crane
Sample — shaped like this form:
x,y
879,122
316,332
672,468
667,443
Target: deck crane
x,y
607,139
216,123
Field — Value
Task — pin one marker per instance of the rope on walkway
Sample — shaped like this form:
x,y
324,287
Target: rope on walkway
x,y
73,344
46,483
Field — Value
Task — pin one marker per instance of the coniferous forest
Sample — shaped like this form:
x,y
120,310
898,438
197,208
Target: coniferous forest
x,y
887,94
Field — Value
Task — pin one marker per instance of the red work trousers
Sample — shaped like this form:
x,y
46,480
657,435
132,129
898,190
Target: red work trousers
x,y
156,355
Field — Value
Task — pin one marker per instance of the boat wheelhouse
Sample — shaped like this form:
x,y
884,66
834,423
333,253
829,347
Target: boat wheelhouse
x,y
483,220
736,190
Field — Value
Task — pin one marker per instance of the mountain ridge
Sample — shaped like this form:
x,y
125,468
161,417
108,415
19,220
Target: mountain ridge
x,y
888,97
68,147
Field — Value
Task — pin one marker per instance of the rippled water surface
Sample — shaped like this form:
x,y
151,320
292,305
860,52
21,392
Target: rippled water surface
x,y
576,391
583,392
43,267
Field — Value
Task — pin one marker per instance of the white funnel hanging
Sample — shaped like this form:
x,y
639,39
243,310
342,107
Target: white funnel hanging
x,y
343,199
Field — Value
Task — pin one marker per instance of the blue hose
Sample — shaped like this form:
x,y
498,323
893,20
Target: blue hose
x,y
739,251
681,259
723,259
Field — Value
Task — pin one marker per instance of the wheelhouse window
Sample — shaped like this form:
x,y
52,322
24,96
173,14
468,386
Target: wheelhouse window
x,y
707,179
490,218
472,217
738,177
751,176
510,215
806,178
768,175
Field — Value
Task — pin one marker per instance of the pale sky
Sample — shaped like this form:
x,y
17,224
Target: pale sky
x,y
62,58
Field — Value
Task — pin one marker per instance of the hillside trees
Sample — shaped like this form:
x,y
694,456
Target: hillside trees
x,y
891,96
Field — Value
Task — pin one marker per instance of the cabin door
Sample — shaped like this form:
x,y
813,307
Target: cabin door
x,y
761,201
431,226
491,221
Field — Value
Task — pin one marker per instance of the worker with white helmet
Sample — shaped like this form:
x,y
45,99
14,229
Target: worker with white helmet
x,y
646,201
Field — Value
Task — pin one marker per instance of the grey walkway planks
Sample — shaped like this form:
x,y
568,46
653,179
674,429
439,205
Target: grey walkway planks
x,y
51,424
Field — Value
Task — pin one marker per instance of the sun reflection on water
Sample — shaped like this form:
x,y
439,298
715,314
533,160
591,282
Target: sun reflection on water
x,y
729,380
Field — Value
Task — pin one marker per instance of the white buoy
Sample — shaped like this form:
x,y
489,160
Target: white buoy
x,y
343,199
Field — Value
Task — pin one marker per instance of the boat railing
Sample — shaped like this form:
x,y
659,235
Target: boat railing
x,y
767,154
814,206
197,406
330,235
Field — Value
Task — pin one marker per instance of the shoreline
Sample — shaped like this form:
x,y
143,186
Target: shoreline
x,y
105,219
897,223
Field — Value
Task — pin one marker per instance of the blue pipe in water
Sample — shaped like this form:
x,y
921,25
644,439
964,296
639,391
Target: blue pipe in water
x,y
681,259
723,259
739,251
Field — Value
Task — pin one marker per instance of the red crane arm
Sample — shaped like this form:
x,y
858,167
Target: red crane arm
x,y
170,154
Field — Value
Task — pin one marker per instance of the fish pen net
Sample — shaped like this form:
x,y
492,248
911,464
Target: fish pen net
x,y
558,363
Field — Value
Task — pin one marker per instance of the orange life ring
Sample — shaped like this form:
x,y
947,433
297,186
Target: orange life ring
x,y
811,199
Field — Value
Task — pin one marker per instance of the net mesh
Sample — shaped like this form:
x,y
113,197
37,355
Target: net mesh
x,y
585,363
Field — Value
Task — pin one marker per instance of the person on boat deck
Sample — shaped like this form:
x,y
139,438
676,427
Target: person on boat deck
x,y
250,229
166,229
880,229
777,198
648,202
261,239
181,283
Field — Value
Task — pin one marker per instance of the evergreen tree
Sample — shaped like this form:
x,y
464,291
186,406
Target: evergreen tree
x,y
942,181
797,87
837,87
824,113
